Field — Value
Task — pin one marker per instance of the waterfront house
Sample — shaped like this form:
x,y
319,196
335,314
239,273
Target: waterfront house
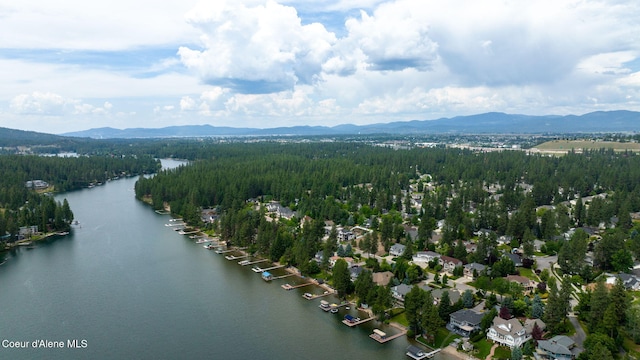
x,y
354,272
382,278
397,250
559,347
448,263
470,268
400,291
509,333
465,321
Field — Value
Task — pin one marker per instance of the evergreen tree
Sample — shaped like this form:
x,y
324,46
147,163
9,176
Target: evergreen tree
x,y
537,308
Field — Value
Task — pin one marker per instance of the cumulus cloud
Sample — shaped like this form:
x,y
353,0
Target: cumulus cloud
x,y
51,104
255,49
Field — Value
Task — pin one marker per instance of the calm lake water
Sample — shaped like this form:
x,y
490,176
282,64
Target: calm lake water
x,y
123,285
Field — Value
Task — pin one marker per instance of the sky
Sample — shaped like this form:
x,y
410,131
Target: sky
x,y
71,65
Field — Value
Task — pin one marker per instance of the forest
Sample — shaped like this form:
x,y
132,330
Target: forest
x,y
22,206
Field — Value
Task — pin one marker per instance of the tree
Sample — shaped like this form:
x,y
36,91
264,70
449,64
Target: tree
x,y
364,285
516,353
444,308
414,301
467,299
342,278
571,254
537,308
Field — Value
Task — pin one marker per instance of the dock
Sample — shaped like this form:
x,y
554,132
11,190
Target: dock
x,y
233,257
356,323
259,270
419,354
291,287
220,251
246,262
182,232
315,296
176,224
282,276
382,337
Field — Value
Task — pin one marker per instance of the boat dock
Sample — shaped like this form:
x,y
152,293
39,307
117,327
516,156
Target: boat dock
x,y
282,276
176,224
315,296
182,232
416,353
382,337
354,322
233,257
259,270
220,251
246,262
291,287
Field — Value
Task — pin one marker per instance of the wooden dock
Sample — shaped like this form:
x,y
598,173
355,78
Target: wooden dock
x,y
315,296
291,287
220,251
356,323
383,339
253,262
182,232
282,276
260,270
233,257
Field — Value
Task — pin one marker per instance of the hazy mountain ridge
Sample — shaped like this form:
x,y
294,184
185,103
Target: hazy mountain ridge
x,y
600,121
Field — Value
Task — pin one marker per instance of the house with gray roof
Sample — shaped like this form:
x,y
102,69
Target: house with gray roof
x,y
400,291
559,347
425,256
471,267
465,321
397,250
509,333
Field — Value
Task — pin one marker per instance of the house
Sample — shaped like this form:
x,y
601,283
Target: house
x,y
517,260
333,259
530,323
465,321
400,291
509,333
382,278
559,347
448,263
630,281
425,256
354,272
397,250
454,295
470,268
279,210
345,235
319,256
527,284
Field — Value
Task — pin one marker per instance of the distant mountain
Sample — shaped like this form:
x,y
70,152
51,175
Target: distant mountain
x,y
12,137
492,123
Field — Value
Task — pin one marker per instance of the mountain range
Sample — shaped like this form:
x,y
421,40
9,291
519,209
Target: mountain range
x,y
487,123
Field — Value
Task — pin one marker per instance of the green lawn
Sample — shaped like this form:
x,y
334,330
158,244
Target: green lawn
x,y
444,337
484,347
502,352
529,274
397,315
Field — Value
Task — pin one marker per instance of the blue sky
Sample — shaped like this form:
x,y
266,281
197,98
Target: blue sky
x,y
72,65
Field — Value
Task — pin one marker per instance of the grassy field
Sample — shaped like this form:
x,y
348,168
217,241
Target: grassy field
x,y
563,146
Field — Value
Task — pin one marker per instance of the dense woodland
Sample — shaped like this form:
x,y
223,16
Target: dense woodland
x,y
21,206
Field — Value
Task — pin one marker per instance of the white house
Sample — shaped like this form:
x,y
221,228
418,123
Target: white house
x,y
509,333
425,256
397,250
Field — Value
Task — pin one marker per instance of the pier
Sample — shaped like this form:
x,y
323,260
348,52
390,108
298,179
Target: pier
x,y
259,270
382,337
176,224
419,354
233,257
315,296
220,251
353,323
282,276
182,232
246,262
291,287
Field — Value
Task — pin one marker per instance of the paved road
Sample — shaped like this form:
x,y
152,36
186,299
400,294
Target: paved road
x,y
580,335
544,262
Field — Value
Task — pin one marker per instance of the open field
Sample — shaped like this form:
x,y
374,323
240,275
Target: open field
x,y
564,146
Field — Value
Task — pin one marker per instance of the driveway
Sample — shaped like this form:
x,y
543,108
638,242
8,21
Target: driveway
x,y
544,262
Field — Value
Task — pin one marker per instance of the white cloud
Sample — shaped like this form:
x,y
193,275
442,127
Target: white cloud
x,y
257,49
41,103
